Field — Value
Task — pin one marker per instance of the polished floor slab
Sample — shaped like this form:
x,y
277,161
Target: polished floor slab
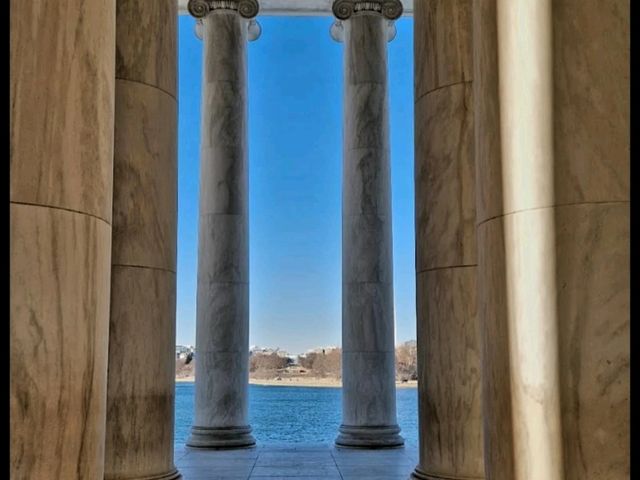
x,y
296,461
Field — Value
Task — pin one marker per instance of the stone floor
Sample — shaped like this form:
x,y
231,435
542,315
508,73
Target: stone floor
x,y
296,461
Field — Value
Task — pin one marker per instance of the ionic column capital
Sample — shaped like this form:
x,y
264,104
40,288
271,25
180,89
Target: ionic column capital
x,y
344,9
244,8
253,29
389,9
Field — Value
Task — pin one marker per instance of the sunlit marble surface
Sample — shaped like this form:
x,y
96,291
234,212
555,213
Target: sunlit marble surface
x,y
553,208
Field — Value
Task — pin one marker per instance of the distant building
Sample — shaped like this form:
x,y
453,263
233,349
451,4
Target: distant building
x,y
257,350
183,350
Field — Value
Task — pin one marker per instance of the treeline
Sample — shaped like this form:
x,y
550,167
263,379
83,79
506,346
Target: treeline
x,y
267,362
407,361
329,364
323,364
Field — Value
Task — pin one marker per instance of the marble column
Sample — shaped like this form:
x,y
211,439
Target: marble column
x,y
449,381
552,163
222,328
61,163
141,380
368,351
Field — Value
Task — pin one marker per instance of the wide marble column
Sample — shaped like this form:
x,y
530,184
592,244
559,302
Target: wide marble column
x,y
449,380
368,350
141,381
222,325
551,83
61,164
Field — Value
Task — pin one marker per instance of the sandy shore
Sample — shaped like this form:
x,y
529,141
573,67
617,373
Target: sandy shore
x,y
303,382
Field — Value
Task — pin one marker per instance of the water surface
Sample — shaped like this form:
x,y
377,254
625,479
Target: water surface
x,y
296,414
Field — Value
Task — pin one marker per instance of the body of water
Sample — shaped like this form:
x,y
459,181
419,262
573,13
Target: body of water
x,y
296,414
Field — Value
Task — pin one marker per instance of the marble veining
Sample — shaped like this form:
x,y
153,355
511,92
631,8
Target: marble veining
x,y
593,278
522,241
140,395
368,372
223,249
146,43
225,37
369,377
224,180
222,325
221,389
368,118
141,374
448,331
368,304
227,307
61,170
60,264
145,194
228,126
62,104
444,44
591,101
585,211
445,179
449,378
367,249
365,51
369,173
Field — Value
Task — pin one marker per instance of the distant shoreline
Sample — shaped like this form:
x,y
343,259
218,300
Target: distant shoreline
x,y
300,382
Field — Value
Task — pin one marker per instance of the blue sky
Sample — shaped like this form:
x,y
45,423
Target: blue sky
x,y
295,155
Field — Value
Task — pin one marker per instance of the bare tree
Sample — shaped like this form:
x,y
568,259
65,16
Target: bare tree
x,y
306,361
328,364
407,361
261,362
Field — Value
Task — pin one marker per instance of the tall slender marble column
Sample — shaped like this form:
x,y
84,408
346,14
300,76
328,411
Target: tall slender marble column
x,y
368,350
141,383
551,81
61,167
449,383
222,329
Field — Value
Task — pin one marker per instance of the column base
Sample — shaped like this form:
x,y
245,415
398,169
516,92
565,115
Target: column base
x,y
420,475
369,437
226,437
171,475
417,474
